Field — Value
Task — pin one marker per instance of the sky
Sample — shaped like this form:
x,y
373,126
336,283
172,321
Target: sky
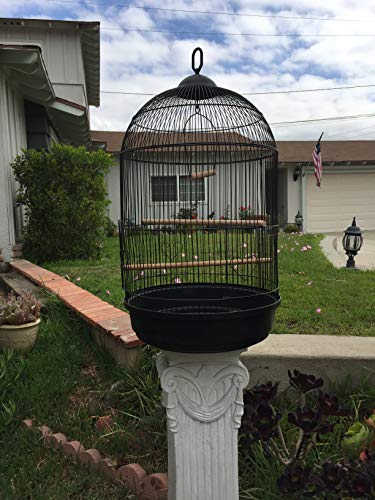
x,y
156,60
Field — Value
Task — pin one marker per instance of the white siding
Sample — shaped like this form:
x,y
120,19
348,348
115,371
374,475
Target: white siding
x,y
113,187
61,51
70,92
231,186
12,140
341,197
294,195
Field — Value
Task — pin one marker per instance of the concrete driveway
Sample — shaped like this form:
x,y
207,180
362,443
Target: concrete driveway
x,y
332,248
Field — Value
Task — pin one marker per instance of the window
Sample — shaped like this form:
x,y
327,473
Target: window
x,y
191,190
164,189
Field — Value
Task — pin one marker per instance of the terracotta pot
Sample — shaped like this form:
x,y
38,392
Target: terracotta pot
x,y
19,337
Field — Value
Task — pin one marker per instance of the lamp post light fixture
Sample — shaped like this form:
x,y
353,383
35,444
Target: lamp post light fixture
x,y
299,220
296,173
352,243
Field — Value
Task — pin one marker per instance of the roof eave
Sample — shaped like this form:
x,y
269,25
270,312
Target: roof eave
x,y
25,68
90,43
89,32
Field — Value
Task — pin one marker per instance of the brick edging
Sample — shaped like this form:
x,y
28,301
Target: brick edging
x,y
101,315
132,476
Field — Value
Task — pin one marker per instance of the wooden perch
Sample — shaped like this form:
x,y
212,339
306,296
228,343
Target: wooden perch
x,y
202,175
203,222
197,263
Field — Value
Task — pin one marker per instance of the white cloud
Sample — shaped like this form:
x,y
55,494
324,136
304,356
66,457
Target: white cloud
x,y
152,62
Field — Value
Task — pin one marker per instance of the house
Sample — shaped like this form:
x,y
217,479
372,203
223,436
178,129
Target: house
x,y
347,189
112,143
209,194
49,76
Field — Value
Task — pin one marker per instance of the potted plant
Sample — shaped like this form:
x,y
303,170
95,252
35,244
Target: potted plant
x,y
19,320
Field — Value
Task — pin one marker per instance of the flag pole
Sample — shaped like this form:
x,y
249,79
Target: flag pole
x,y
320,138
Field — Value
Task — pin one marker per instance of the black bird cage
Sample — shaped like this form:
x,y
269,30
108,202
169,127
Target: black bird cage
x,y
199,222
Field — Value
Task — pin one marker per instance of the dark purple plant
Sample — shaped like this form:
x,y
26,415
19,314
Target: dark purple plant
x,y
303,382
360,482
329,405
262,392
367,465
359,486
333,475
297,479
306,419
309,421
261,422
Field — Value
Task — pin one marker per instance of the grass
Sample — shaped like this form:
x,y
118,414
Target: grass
x,y
308,282
64,382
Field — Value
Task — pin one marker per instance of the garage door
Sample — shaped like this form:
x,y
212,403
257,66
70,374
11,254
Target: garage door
x,y
331,207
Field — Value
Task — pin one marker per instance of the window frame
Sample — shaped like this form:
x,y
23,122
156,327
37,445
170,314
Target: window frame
x,y
163,202
178,201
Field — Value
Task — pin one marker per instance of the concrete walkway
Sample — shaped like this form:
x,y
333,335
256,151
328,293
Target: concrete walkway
x,y
333,250
334,358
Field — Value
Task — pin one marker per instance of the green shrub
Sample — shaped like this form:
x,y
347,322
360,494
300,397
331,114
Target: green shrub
x,y
188,212
64,194
110,228
291,228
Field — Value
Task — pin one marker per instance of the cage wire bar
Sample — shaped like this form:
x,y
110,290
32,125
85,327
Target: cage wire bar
x,y
199,222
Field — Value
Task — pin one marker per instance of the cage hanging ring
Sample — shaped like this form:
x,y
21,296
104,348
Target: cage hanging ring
x,y
197,69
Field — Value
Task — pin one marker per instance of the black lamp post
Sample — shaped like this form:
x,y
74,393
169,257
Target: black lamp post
x,y
352,242
299,220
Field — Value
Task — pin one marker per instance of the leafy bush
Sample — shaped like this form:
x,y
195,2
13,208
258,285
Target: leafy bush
x,y
64,194
246,213
110,228
19,310
227,214
188,212
291,228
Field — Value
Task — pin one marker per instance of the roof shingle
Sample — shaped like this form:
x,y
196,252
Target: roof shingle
x,y
113,140
332,151
289,151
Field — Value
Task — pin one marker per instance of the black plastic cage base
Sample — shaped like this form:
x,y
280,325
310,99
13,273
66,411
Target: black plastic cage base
x,y
202,318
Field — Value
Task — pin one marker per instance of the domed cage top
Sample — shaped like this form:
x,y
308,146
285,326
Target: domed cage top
x,y
198,228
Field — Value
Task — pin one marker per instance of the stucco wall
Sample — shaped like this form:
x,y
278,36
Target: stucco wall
x,y
12,140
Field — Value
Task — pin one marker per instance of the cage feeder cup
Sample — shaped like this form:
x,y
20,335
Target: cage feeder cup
x,y
198,236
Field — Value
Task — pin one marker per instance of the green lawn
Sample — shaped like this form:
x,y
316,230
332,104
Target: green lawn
x,y
66,381
307,282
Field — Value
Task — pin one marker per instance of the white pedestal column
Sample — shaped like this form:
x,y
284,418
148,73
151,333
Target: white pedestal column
x,y
202,394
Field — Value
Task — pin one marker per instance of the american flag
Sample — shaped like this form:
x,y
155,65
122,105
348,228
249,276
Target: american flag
x,y
317,158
